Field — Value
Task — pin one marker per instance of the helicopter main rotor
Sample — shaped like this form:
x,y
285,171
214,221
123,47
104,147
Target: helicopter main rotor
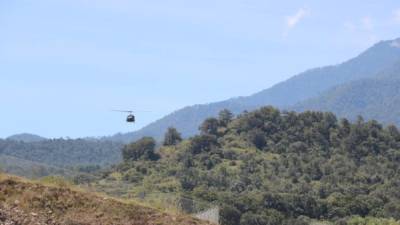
x,y
131,117
124,111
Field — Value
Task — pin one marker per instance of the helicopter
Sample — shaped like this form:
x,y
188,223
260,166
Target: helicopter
x,y
130,118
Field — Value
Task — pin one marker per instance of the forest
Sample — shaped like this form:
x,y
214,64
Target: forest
x,y
273,167
63,152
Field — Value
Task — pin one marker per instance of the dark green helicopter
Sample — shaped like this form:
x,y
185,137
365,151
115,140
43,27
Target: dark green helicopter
x,y
130,118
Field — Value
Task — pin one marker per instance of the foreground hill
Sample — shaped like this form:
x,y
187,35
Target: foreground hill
x,y
298,88
272,167
28,203
374,98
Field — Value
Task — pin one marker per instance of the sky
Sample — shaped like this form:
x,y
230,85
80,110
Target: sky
x,y
65,64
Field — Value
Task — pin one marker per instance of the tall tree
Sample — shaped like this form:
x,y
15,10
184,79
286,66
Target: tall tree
x,y
172,137
141,149
210,126
225,116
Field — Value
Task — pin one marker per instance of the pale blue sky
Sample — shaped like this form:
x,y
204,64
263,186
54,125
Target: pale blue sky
x,y
65,63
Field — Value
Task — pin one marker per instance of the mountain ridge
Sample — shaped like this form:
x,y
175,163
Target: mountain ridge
x,y
26,137
373,98
300,87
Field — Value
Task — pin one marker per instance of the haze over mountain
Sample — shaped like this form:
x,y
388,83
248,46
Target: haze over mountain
x,y
299,88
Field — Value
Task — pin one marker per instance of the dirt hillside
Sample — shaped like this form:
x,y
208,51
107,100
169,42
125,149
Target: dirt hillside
x,y
24,202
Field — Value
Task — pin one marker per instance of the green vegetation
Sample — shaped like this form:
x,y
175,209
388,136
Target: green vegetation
x,y
271,167
29,169
371,221
172,137
63,152
142,149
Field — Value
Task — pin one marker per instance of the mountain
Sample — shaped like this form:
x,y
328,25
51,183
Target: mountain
x,y
374,98
25,137
31,169
274,167
62,152
54,201
299,88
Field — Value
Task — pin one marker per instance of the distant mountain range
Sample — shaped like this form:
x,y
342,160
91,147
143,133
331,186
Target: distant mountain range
x,y
63,152
25,137
366,85
374,98
357,86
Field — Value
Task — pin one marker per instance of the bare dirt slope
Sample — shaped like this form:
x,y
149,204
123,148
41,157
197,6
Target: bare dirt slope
x,y
29,203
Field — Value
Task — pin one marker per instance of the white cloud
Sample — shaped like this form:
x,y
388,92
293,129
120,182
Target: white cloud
x,y
293,20
396,16
367,24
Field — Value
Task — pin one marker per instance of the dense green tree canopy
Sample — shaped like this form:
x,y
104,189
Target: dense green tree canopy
x,y
141,149
64,152
273,167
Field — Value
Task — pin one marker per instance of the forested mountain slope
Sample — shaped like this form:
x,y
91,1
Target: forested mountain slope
x,y
31,169
63,152
374,98
298,88
272,167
